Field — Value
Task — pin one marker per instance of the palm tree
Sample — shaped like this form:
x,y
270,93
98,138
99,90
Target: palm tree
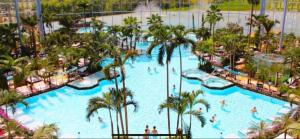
x,y
131,29
192,101
162,39
294,130
8,33
10,99
253,3
30,23
259,128
46,131
179,40
213,16
184,106
7,63
154,21
285,121
268,26
13,126
83,4
104,102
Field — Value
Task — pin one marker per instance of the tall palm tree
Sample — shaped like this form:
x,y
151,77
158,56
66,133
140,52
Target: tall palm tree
x,y
154,21
213,16
180,39
162,39
10,99
104,102
83,4
46,131
131,29
253,3
30,23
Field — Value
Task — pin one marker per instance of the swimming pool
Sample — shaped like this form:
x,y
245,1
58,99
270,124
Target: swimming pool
x,y
67,106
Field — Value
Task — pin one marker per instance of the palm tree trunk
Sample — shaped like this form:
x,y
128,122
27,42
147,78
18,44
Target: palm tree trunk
x,y
251,22
121,120
125,96
180,82
118,128
168,109
111,122
116,81
190,128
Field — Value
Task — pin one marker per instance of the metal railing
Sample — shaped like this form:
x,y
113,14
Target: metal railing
x,y
150,136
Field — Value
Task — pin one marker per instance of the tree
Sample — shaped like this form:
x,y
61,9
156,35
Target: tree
x,y
253,3
259,128
10,99
193,101
104,102
46,131
162,38
8,33
13,128
177,41
83,4
184,106
30,23
131,30
213,16
294,129
7,63
285,122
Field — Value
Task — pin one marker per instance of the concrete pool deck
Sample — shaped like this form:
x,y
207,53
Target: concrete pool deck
x,y
206,79
88,82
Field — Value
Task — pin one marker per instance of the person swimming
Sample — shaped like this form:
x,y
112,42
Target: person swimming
x,y
149,69
173,69
222,102
199,110
174,86
213,118
254,110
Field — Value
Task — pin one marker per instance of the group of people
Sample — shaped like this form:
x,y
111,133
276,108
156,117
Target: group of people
x,y
147,131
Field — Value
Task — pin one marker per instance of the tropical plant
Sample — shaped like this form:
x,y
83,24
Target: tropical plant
x,y
8,33
213,16
253,3
104,102
180,39
30,23
46,131
10,99
184,106
162,39
131,30
84,4
259,128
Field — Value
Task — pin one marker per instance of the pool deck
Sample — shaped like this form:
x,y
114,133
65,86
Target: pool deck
x,y
88,82
196,74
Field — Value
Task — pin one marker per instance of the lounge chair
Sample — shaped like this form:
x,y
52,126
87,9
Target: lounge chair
x,y
284,111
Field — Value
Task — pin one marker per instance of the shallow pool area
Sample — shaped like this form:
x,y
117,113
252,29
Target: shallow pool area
x,y
66,106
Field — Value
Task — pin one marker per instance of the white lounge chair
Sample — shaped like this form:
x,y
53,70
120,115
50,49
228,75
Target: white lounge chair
x,y
284,111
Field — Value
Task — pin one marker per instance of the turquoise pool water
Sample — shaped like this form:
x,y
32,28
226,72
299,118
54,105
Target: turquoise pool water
x,y
67,106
